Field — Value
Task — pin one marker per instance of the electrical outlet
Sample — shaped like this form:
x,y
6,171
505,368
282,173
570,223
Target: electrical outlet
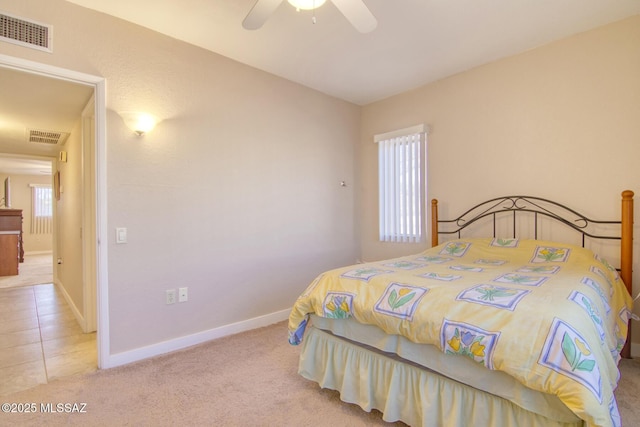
x,y
183,294
171,296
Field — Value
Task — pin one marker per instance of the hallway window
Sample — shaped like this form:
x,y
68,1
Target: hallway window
x,y
41,209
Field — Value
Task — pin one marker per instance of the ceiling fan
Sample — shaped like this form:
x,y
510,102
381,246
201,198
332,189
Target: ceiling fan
x,y
355,11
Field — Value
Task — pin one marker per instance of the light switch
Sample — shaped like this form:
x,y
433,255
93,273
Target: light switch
x,y
121,235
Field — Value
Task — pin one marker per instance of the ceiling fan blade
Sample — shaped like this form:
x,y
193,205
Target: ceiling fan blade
x,y
358,14
259,13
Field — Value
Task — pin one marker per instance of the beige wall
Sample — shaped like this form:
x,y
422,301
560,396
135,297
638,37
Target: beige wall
x,y
68,241
236,193
561,121
21,199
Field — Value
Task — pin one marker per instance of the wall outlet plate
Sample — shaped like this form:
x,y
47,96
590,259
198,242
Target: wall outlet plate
x,y
171,296
183,294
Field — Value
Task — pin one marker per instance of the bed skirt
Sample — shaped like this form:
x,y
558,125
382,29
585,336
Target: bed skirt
x,y
403,391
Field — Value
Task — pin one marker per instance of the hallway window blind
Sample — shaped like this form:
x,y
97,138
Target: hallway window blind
x,y
41,209
401,174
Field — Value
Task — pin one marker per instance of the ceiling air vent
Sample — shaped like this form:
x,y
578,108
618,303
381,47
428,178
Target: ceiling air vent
x,y
47,137
25,32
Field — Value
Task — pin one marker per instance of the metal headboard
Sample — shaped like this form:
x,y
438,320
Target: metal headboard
x,y
515,205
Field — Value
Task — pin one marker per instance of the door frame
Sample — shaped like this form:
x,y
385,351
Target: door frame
x,y
96,245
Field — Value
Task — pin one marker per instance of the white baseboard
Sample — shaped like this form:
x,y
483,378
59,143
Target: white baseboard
x,y
38,253
76,313
141,353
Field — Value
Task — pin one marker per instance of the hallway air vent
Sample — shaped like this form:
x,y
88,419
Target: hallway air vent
x,y
25,33
47,137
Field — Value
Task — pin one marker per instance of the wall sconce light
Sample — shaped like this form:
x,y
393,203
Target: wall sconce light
x,y
139,123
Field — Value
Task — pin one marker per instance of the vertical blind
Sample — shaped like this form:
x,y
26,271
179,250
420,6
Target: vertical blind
x,y
401,178
41,209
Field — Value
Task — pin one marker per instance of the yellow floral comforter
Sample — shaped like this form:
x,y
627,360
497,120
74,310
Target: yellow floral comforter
x,y
553,316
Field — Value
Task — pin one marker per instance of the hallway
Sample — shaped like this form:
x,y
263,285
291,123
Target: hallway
x,y
40,339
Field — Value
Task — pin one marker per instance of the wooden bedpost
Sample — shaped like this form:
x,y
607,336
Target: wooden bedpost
x,y
626,256
434,222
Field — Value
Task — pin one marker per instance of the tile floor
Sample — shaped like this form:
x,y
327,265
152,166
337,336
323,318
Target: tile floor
x,y
40,339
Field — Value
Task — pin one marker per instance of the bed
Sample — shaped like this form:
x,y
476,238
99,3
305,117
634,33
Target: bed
x,y
506,330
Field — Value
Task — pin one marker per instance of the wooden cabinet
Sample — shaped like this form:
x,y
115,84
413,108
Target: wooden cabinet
x,y
9,253
11,220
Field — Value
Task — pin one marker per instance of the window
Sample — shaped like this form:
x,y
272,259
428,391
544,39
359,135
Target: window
x,y
41,209
401,162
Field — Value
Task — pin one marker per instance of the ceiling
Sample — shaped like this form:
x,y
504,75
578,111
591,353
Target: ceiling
x,y
31,101
416,42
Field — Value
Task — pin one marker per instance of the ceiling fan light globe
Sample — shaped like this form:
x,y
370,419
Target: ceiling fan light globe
x,y
306,4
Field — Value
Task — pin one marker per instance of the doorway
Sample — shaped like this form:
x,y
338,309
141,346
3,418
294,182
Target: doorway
x,y
94,255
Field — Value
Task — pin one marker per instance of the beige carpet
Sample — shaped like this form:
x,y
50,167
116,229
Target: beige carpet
x,y
35,270
247,379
